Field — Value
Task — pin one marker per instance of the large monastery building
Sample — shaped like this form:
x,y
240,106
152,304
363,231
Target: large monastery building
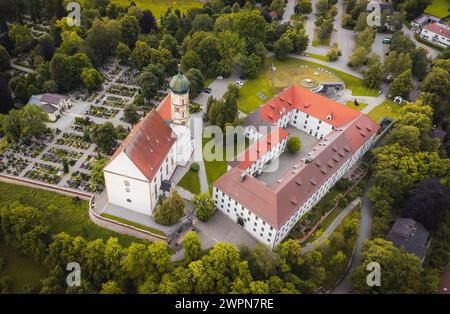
x,y
269,211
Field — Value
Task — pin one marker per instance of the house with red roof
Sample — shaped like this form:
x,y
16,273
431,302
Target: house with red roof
x,y
269,211
436,33
139,170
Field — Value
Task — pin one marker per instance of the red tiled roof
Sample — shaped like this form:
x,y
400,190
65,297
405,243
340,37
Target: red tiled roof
x,y
148,144
277,203
164,109
261,147
438,28
309,102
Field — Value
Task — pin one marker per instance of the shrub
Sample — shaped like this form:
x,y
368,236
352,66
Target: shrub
x,y
194,167
294,144
169,211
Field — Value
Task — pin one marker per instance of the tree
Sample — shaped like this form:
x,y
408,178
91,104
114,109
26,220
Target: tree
x,y
170,210
4,59
111,287
397,63
334,53
401,271
263,261
123,53
250,66
303,7
97,176
202,22
420,62
130,29
373,76
249,25
22,38
6,100
92,79
401,42
148,22
141,55
406,135
282,48
104,136
102,39
149,85
359,57
192,247
130,114
402,85
294,144
428,203
32,120
437,83
191,60
203,205
197,82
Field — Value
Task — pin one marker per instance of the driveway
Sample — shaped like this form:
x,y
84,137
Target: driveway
x,y
431,52
289,10
218,88
365,232
220,228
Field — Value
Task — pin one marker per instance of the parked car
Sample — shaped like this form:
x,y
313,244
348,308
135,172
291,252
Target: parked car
x,y
387,40
220,77
207,90
239,83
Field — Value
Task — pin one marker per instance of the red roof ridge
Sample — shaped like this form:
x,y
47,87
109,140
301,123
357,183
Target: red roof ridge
x,y
148,144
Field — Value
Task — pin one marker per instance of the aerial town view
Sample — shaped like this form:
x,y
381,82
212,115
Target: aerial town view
x,y
202,147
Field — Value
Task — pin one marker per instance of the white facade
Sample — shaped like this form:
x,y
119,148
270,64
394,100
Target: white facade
x,y
262,230
180,107
185,144
127,187
435,38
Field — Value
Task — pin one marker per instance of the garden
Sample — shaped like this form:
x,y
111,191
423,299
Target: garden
x,y
82,181
11,164
122,90
388,108
44,173
114,101
58,155
73,140
249,100
101,112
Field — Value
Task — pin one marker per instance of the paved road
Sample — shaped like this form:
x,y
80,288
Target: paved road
x,y
365,232
22,68
343,37
338,66
327,233
289,10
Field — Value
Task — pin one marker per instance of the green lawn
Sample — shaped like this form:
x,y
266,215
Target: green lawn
x,y
438,8
249,101
159,7
22,270
3,145
387,109
191,182
319,57
351,104
134,224
62,212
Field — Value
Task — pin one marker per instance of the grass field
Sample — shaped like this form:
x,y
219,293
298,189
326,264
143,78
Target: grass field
x,y
438,8
351,104
191,182
318,57
22,270
387,109
249,101
63,213
134,224
159,7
